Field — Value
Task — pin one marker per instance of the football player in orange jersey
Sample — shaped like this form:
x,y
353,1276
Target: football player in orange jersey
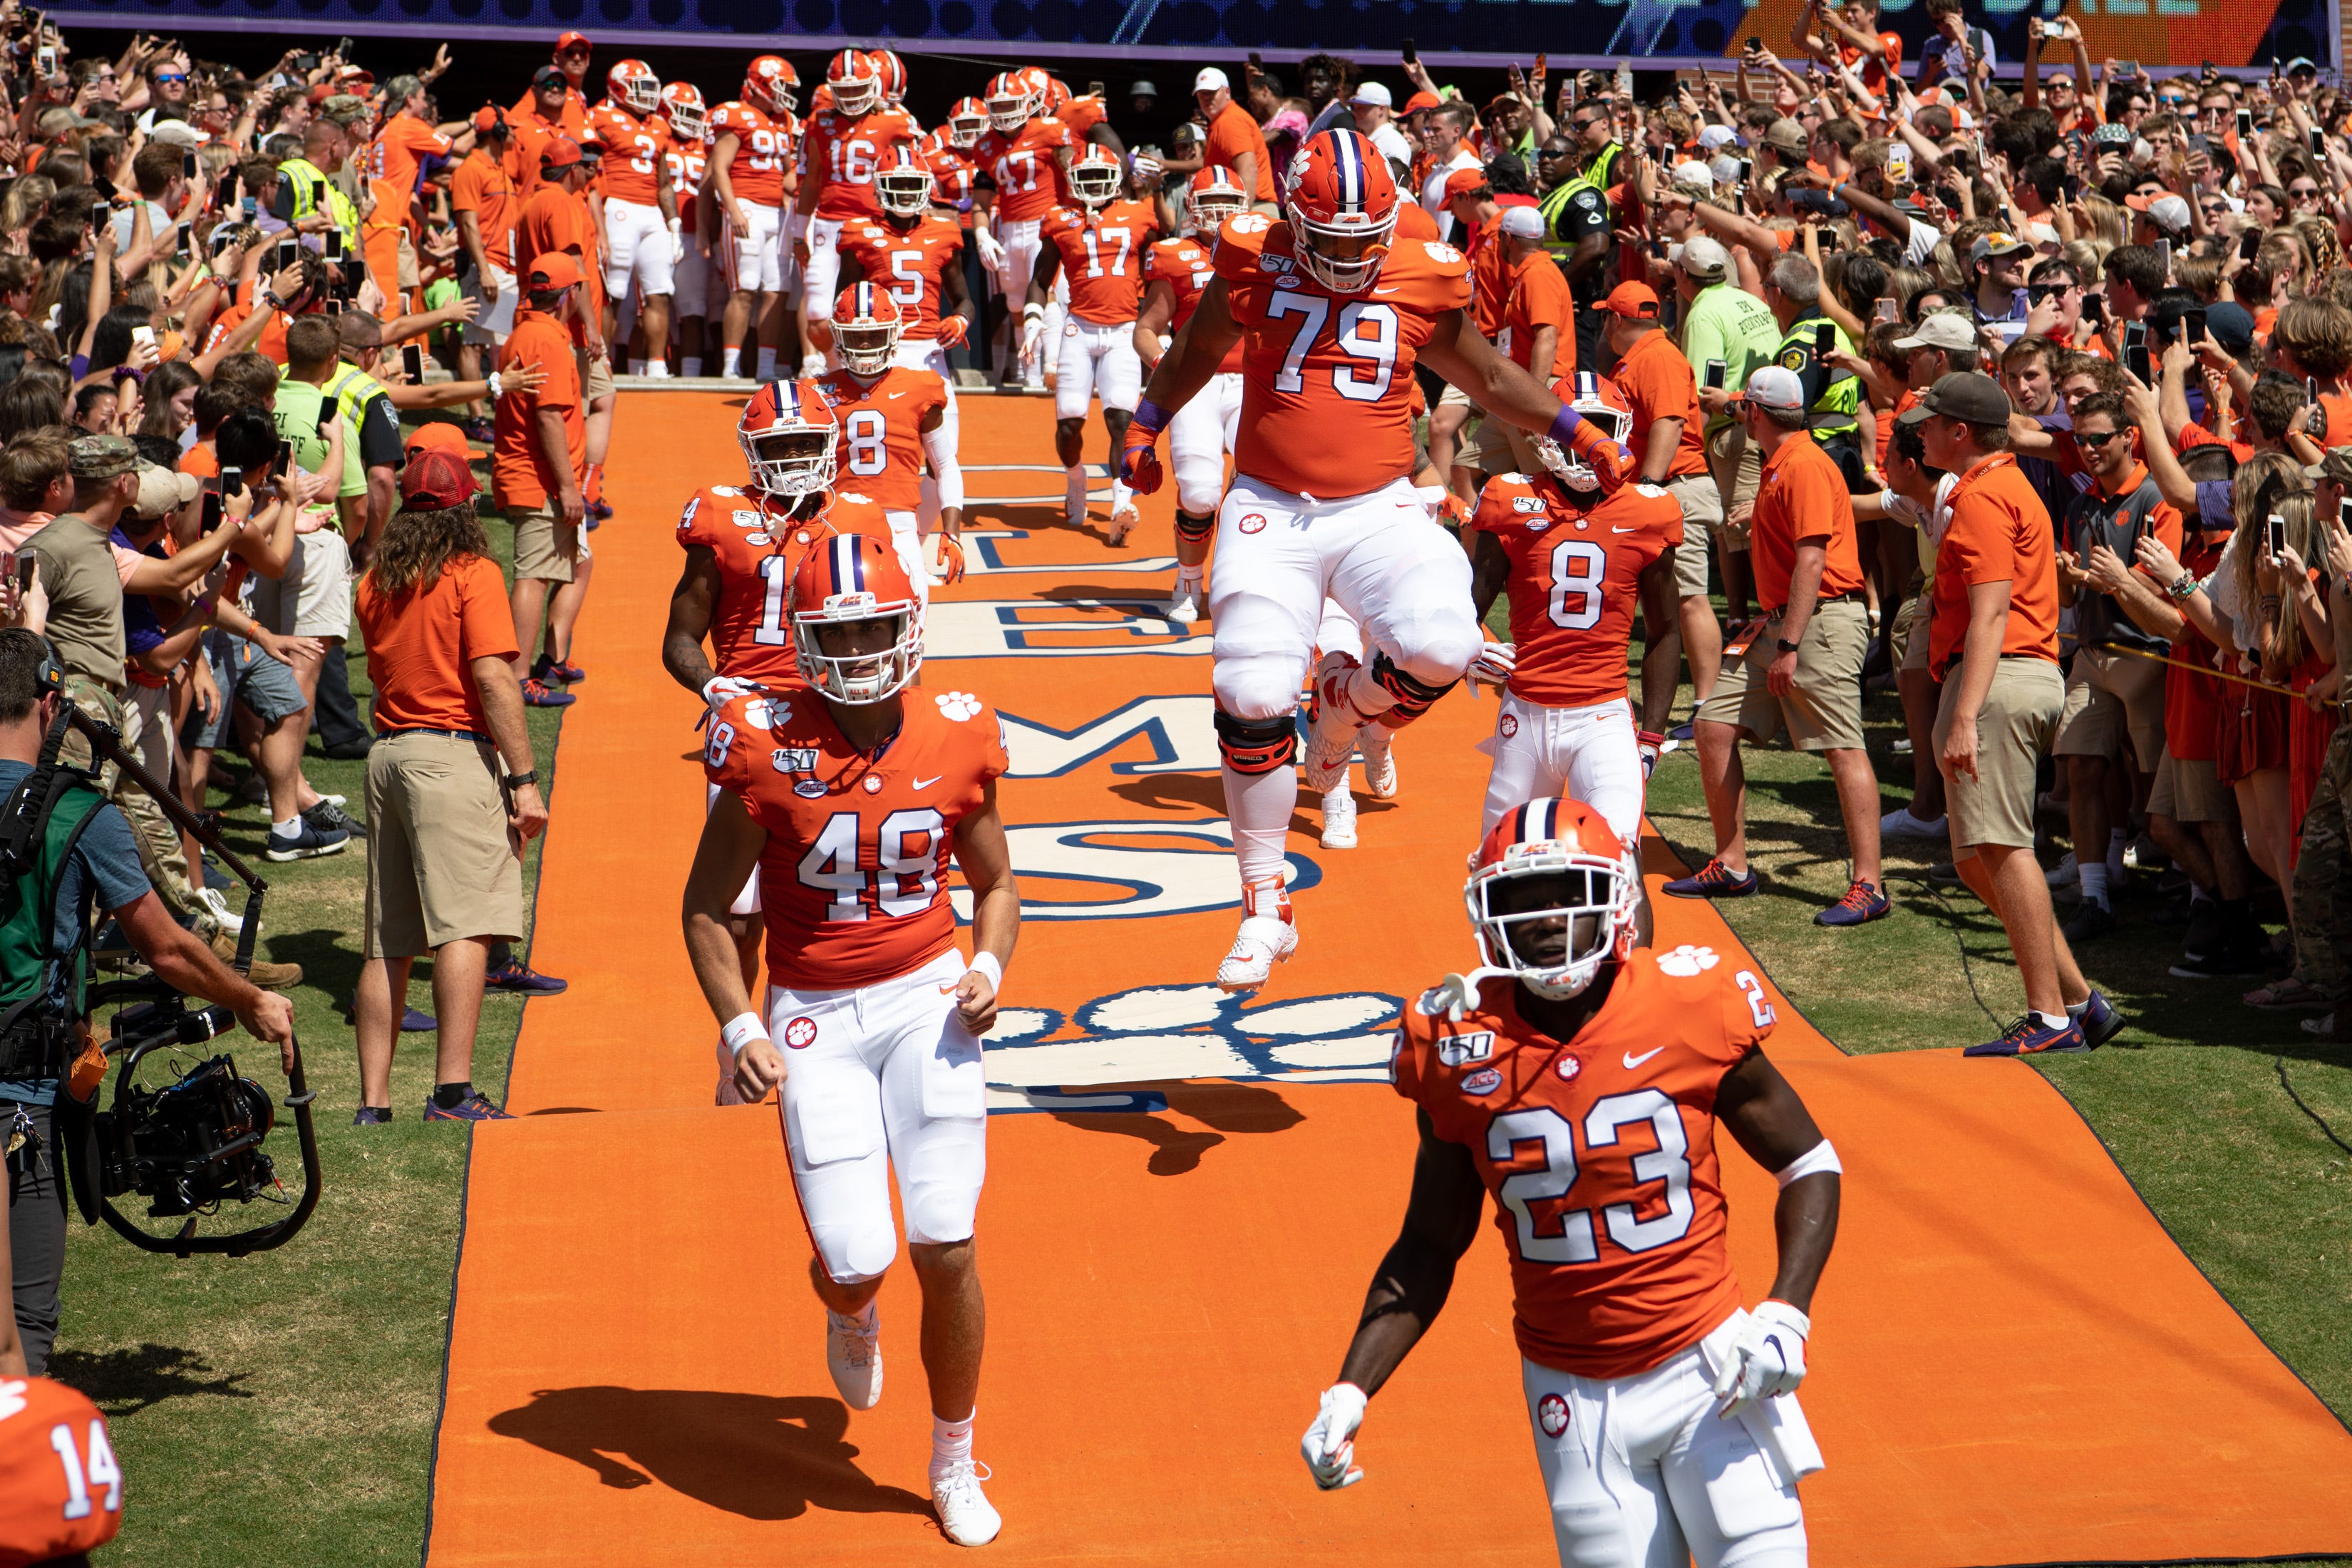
x,y
1023,175
643,240
1330,317
688,163
840,150
750,174
1580,1079
60,1485
1101,248
1175,271
846,800
1580,550
742,543
893,417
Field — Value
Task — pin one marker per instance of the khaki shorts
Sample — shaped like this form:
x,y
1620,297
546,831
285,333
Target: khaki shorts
x,y
595,378
2020,716
313,597
2191,792
2107,694
1911,623
1702,506
535,554
439,866
1823,708
1737,468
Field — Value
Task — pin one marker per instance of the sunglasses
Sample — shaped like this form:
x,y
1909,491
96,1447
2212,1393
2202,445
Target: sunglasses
x,y
2085,438
2299,191
170,76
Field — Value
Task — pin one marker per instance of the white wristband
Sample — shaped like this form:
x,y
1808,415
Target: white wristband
x,y
1811,1162
495,389
740,1030
1033,312
985,962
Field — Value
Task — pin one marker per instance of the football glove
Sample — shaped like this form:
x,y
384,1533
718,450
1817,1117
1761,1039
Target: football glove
x,y
1767,1360
1494,663
952,328
722,689
676,243
1650,741
1146,169
991,251
950,559
1032,330
1453,511
1329,1446
1548,452
1138,456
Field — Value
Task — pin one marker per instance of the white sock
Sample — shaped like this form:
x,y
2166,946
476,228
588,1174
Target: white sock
x,y
863,1317
951,1441
1259,806
2118,840
1075,479
1119,494
658,369
731,362
767,362
2058,1020
2093,875
690,365
289,829
1191,575
636,366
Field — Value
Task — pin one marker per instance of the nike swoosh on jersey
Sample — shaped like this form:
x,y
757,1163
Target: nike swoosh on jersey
x,y
925,784
897,395
1614,529
1632,1061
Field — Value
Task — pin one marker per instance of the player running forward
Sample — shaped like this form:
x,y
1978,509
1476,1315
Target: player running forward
x,y
847,801
1580,550
643,240
742,543
1100,245
839,151
1022,162
1175,272
892,418
1580,1083
688,162
751,161
1330,317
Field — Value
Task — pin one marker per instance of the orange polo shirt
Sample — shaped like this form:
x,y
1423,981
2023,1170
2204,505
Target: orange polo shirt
x,y
1802,496
1657,382
1999,533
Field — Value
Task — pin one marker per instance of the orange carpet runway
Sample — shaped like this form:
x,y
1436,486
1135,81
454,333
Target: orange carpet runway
x,y
2011,1361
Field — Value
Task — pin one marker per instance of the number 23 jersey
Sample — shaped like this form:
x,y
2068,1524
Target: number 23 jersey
x,y
1327,381
1600,1153
854,879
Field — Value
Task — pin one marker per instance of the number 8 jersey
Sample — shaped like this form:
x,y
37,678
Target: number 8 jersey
x,y
1328,378
1575,581
854,881
1600,1153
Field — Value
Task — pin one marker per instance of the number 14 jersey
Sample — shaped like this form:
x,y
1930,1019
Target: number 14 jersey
x,y
756,549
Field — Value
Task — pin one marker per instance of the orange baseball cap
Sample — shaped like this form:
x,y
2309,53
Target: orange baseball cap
x,y
439,436
573,41
1637,301
488,118
560,153
1419,100
1461,182
556,270
435,479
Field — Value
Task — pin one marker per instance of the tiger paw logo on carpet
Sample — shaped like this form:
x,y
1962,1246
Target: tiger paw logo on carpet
x,y
1688,960
958,705
1159,1033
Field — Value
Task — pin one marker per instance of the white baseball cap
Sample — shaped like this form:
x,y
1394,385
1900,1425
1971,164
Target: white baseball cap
x,y
1705,260
1523,223
1694,175
1373,93
1210,80
1777,389
1392,144
1715,136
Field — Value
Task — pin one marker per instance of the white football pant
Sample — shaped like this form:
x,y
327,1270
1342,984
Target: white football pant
x,y
1591,754
822,277
888,1076
1199,435
750,262
636,252
1020,241
1642,1473
1096,359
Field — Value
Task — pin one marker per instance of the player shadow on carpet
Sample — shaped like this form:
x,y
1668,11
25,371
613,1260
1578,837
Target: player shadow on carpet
x,y
1047,520
1206,792
1223,1108
755,1455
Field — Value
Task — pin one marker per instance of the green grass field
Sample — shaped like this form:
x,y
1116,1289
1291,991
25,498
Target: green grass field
x,y
280,1408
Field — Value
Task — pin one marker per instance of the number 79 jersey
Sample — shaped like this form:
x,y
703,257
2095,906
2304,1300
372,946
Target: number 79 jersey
x,y
1328,382
1600,1153
854,881
1575,581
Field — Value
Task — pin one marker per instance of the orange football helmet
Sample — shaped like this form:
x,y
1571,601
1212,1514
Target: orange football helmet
x,y
1343,209
682,106
1097,177
902,182
1009,103
1214,194
966,122
893,72
1552,896
632,83
866,322
770,85
788,433
845,581
855,81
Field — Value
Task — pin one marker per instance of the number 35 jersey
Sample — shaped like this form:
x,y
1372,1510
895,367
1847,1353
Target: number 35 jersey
x,y
1600,1153
1328,382
757,549
854,881
1575,581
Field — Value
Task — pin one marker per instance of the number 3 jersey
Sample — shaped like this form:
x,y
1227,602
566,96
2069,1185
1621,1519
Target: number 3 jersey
x,y
854,881
1575,581
1327,380
881,450
1600,1153
757,548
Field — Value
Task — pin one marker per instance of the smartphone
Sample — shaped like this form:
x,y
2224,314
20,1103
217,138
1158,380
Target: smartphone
x,y
46,60
1886,308
1824,341
306,64
250,208
1542,63
188,164
2250,243
1412,55
2135,351
334,250
2094,307
284,462
2273,535
1256,64
185,228
335,306
25,565
101,214
2246,123
345,49
2072,187
2164,255
1716,370
1754,45
1094,89
143,335
213,516
319,196
2319,141
231,480
2129,70
2193,321
1747,170
411,361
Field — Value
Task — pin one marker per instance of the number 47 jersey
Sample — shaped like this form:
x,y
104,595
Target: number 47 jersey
x,y
854,881
1600,1153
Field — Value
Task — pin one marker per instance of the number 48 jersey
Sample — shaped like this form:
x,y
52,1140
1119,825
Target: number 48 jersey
x,y
854,880
757,549
1600,1153
1575,581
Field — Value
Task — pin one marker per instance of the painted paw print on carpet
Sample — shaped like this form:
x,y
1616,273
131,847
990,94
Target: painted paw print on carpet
x,y
1687,961
958,705
1160,1033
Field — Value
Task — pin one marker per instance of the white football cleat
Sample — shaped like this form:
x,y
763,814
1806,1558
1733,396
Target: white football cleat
x,y
1187,603
1266,937
853,1353
1124,520
1377,742
966,1516
1334,725
1340,818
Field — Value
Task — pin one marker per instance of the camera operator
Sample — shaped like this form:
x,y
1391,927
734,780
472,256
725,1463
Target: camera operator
x,y
84,853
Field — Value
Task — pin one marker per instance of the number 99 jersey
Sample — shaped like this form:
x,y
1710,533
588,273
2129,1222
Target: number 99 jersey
x,y
1600,1153
1328,378
757,548
61,1489
854,881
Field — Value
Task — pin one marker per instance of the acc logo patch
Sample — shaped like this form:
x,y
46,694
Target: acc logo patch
x,y
1526,503
810,789
801,1034
1687,961
760,537
1567,1069
1253,522
1476,1047
1507,725
958,705
1287,281
1552,1415
794,759
1486,1080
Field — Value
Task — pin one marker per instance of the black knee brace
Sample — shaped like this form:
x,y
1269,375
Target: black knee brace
x,y
1256,746
1191,529
1414,698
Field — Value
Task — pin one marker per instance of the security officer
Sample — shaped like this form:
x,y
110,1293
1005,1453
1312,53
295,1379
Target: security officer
x,y
77,854
1576,217
1834,397
306,191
